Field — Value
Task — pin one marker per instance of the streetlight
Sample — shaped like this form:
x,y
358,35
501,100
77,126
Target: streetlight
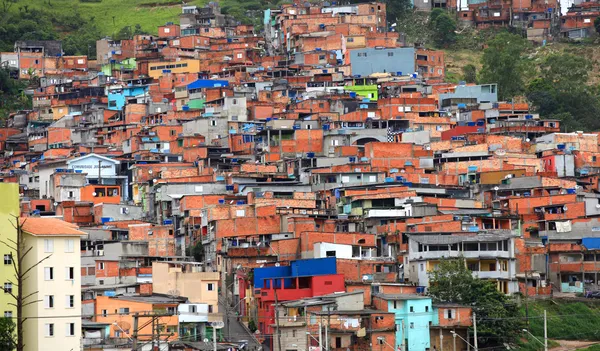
x,y
382,339
124,332
533,336
454,335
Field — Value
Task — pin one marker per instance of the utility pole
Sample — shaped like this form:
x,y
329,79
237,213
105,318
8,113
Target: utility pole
x,y
454,341
475,330
214,338
152,339
526,301
277,318
545,332
135,332
402,341
320,337
100,173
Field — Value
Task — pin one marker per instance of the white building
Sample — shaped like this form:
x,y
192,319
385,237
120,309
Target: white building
x,y
53,323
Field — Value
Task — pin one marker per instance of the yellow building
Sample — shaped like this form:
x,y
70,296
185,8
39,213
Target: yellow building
x,y
155,69
54,323
186,279
9,210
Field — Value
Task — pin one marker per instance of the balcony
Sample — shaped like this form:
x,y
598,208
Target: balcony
x,y
492,275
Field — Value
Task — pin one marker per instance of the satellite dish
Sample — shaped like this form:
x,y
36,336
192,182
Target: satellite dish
x,y
122,325
277,264
527,140
94,194
496,188
205,340
56,204
150,171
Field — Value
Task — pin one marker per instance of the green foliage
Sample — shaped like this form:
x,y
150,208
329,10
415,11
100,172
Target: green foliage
x,y
597,24
504,63
567,320
497,315
443,28
252,325
12,96
198,252
561,92
469,73
128,32
7,334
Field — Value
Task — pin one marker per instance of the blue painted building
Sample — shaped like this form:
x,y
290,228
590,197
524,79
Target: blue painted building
x,y
117,97
414,316
298,268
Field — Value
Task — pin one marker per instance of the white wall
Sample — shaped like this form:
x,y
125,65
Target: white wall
x,y
341,251
185,316
59,287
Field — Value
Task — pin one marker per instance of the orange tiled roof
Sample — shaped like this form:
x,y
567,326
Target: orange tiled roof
x,y
49,226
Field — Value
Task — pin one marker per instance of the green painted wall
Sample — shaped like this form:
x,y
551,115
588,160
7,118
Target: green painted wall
x,y
9,209
364,91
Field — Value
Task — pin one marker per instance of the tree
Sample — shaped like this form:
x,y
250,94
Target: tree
x,y
497,314
444,29
469,73
562,92
7,334
504,63
597,24
19,251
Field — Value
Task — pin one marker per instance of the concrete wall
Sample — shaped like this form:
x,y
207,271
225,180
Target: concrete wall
x,y
368,61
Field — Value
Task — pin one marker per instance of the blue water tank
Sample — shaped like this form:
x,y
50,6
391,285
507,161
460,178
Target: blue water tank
x,y
221,201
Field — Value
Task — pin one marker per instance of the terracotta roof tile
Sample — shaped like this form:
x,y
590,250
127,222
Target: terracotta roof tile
x,y
49,226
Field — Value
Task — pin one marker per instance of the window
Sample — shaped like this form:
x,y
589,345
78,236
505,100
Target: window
x,y
124,310
593,158
117,333
395,304
210,286
49,301
100,265
50,329
350,40
7,314
104,313
167,30
362,54
70,301
294,333
171,310
210,308
69,273
70,329
321,105
48,273
101,282
321,57
7,288
193,309
412,325
69,243
70,196
48,245
213,123
412,308
7,259
390,54
449,314
426,308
